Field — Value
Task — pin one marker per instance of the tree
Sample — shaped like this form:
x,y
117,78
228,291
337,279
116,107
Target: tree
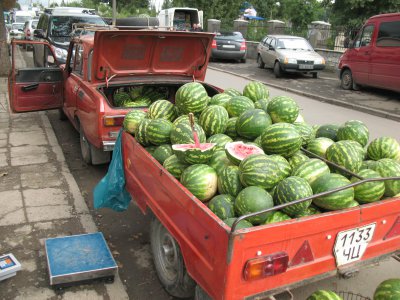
x,y
4,58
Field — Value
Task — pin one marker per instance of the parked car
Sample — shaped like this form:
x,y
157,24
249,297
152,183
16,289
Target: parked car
x,y
229,45
373,58
291,54
17,31
55,27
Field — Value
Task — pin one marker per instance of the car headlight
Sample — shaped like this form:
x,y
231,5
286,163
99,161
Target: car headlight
x,y
290,61
319,61
61,53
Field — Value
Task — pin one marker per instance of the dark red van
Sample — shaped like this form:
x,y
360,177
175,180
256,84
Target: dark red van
x,y
373,58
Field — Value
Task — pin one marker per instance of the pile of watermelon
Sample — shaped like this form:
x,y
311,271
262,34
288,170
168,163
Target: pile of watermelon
x,y
138,96
246,152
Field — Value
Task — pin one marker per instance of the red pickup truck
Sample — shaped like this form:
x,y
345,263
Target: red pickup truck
x,y
99,65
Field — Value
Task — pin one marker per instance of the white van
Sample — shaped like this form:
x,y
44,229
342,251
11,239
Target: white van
x,y
21,16
180,18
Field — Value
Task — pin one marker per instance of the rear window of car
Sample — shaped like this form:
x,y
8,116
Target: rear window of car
x,y
61,26
229,36
293,44
389,34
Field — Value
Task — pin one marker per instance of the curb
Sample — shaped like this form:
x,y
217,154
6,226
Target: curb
x,y
341,103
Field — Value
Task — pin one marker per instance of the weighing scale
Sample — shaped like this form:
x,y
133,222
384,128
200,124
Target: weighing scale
x,y
9,266
79,258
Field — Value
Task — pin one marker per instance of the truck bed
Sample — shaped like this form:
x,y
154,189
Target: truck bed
x,y
215,257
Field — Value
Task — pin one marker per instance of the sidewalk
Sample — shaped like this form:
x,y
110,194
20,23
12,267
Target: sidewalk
x,y
39,199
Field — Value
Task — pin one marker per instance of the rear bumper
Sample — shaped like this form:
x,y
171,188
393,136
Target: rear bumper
x,y
108,145
295,68
224,54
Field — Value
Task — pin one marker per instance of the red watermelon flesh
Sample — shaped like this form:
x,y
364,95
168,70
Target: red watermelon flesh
x,y
237,151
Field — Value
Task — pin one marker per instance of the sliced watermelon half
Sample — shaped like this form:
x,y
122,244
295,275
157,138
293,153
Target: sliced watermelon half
x,y
237,151
194,154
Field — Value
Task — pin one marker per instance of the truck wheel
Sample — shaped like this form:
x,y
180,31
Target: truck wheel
x,y
200,294
169,262
346,81
85,147
277,70
260,62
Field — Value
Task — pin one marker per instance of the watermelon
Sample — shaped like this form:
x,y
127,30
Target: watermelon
x,y
290,189
141,132
251,123
257,141
311,210
283,109
151,149
200,180
388,289
237,105
328,131
283,165
214,119
281,138
158,131
191,97
319,145
132,120
120,98
306,132
220,140
242,224
222,206
262,104
229,181
297,159
368,164
219,160
184,119
193,154
369,191
383,147
161,153
181,133
253,199
237,151
337,200
220,99
232,92
346,155
387,167
354,130
324,295
174,166
311,169
162,109
276,216
231,128
255,91
260,170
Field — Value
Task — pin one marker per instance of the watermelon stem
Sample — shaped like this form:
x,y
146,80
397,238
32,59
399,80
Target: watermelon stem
x,y
195,135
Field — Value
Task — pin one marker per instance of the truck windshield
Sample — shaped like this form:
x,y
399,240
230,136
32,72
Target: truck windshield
x,y
62,26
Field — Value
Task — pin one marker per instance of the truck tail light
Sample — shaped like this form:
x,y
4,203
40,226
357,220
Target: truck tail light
x,y
394,231
264,266
214,44
113,121
243,46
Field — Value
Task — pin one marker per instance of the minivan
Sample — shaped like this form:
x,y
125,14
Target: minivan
x,y
373,58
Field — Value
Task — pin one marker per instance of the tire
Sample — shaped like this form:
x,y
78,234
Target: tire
x,y
260,62
61,115
277,70
346,80
85,147
169,263
200,294
315,75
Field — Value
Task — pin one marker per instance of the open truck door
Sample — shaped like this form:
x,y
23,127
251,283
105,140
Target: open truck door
x,y
33,88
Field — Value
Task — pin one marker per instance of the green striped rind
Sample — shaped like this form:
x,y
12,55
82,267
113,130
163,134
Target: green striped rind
x,y
346,155
281,138
141,132
276,216
370,191
120,98
242,224
231,128
283,165
151,149
257,141
362,152
383,147
324,295
354,130
252,123
222,206
229,181
253,199
161,153
132,120
306,132
260,170
311,210
388,289
319,145
255,91
191,97
328,131
232,92
237,151
336,200
262,104
220,139
369,164
144,100
184,119
311,169
213,119
290,189
181,133
387,167
283,109
219,161
193,156
174,166
237,105
297,159
158,132
162,109
220,99
201,181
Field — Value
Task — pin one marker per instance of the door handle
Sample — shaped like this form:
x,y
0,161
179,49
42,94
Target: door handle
x,y
30,87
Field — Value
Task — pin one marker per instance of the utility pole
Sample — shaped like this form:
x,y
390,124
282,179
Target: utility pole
x,y
114,12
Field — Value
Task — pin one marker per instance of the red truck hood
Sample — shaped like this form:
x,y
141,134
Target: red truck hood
x,y
150,52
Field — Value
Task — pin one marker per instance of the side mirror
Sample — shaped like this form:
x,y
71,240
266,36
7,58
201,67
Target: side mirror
x,y
38,33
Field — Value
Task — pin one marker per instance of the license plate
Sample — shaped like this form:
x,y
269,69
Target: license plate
x,y
351,244
308,67
228,46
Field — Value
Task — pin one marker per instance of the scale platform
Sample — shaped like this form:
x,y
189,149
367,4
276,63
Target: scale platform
x,y
79,258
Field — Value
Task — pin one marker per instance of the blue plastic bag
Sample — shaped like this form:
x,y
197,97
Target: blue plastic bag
x,y
110,191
